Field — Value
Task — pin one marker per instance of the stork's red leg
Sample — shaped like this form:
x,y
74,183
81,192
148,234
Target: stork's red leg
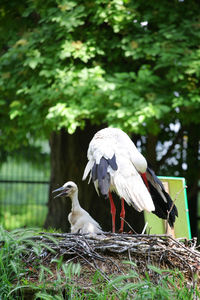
x,y
122,215
113,211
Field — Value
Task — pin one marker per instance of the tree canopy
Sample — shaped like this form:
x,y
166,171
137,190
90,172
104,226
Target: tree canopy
x,y
130,64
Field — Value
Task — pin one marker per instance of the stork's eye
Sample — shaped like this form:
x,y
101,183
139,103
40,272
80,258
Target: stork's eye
x,y
69,186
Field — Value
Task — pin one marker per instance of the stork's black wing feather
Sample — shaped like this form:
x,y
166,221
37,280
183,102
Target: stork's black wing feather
x,y
161,206
104,185
102,168
112,162
156,179
101,174
94,172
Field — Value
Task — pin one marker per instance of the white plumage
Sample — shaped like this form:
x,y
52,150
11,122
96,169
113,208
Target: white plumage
x,y
115,164
126,180
79,219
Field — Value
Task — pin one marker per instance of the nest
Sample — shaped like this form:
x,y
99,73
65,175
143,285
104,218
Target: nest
x,y
106,253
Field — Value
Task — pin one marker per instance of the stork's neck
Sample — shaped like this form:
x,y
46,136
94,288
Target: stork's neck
x,y
75,202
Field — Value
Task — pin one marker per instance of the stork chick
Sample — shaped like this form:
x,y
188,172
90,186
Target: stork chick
x,y
79,219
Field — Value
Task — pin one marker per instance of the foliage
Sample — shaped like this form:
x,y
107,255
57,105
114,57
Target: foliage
x,y
22,168
19,216
23,204
132,64
168,285
12,268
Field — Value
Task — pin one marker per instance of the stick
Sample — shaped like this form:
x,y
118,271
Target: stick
x,y
129,225
145,226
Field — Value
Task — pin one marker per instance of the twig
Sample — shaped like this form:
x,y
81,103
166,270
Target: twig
x,y
145,226
129,225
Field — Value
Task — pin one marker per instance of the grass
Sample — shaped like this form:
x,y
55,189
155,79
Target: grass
x,y
60,281
13,247
18,216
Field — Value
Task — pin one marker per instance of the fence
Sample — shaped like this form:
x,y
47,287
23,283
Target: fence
x,y
24,189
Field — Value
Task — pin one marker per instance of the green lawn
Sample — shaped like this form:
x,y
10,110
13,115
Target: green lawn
x,y
17,216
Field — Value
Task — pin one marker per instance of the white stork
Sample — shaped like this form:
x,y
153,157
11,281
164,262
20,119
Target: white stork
x,y
115,164
80,220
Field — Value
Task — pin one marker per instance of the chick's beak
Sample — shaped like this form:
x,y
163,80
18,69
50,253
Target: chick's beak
x,y
62,190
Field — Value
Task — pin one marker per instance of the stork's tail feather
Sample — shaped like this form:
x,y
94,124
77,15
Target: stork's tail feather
x,y
161,199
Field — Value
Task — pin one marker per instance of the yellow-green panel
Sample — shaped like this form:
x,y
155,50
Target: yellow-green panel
x,y
177,190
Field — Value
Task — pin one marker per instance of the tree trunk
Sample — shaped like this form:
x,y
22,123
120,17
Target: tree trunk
x,y
192,177
68,160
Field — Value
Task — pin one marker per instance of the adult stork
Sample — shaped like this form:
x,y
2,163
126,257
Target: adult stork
x,y
79,219
115,164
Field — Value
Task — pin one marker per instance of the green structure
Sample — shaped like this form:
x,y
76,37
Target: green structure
x,y
176,187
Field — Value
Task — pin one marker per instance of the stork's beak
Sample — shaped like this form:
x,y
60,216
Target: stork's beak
x,y
62,190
